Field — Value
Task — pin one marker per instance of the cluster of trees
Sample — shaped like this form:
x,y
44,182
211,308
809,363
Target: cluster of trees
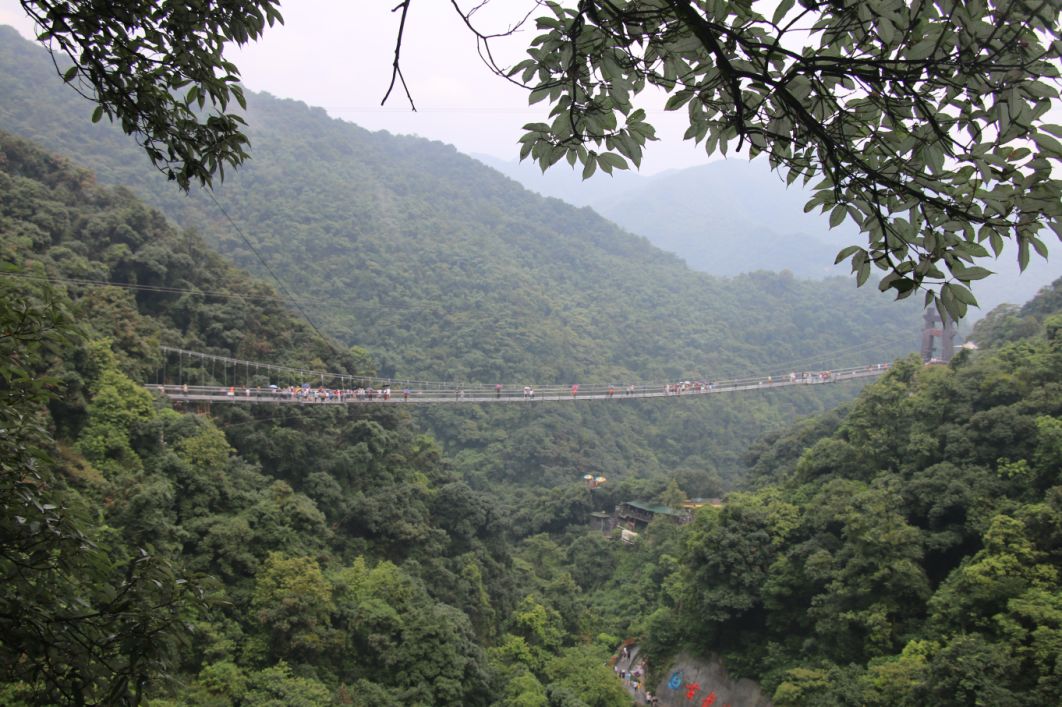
x,y
904,550
262,556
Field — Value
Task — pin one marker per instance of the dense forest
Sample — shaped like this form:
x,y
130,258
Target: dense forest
x,y
903,548
259,556
441,269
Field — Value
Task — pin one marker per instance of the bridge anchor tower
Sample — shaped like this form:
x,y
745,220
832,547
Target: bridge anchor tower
x,y
937,330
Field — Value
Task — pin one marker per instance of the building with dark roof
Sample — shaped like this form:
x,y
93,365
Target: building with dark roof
x,y
635,515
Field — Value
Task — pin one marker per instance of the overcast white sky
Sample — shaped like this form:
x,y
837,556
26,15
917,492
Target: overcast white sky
x,y
337,55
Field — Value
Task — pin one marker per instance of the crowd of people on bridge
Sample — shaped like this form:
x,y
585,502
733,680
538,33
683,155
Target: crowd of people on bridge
x,y
307,393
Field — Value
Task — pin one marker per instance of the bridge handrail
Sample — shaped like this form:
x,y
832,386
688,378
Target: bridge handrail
x,y
489,393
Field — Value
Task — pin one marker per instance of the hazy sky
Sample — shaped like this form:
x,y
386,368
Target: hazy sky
x,y
337,55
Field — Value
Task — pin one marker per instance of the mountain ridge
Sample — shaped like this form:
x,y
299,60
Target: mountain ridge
x,y
405,209
440,269
713,240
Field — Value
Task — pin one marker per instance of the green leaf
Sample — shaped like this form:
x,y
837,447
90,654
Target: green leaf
x,y
904,289
973,249
972,273
1048,144
963,294
780,12
846,253
954,306
863,274
886,31
97,114
70,74
837,215
537,95
612,161
922,49
1038,246
996,241
590,166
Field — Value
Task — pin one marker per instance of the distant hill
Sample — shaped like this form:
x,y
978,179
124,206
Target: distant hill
x,y
731,217
734,216
564,182
725,218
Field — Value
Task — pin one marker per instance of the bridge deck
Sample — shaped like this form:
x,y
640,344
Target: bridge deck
x,y
480,394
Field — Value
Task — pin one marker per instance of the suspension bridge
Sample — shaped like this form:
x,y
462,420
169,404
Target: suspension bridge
x,y
193,377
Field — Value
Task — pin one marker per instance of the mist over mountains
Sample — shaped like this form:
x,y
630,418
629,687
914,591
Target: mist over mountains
x,y
734,216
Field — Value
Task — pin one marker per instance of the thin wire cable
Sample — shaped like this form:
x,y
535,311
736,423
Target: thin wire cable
x,y
308,374
147,288
867,344
214,293
305,373
328,342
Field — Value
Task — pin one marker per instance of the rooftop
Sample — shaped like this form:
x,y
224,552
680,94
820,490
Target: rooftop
x,y
655,509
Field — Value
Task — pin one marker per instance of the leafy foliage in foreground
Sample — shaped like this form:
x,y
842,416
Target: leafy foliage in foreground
x,y
923,123
153,67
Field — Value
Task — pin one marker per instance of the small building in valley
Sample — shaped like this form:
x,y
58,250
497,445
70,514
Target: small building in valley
x,y
635,515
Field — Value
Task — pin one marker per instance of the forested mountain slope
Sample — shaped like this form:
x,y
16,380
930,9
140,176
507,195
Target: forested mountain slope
x,y
442,269
714,216
905,550
289,556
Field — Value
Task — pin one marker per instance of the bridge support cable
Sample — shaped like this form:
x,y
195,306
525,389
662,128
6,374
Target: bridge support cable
x,y
202,368
277,384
